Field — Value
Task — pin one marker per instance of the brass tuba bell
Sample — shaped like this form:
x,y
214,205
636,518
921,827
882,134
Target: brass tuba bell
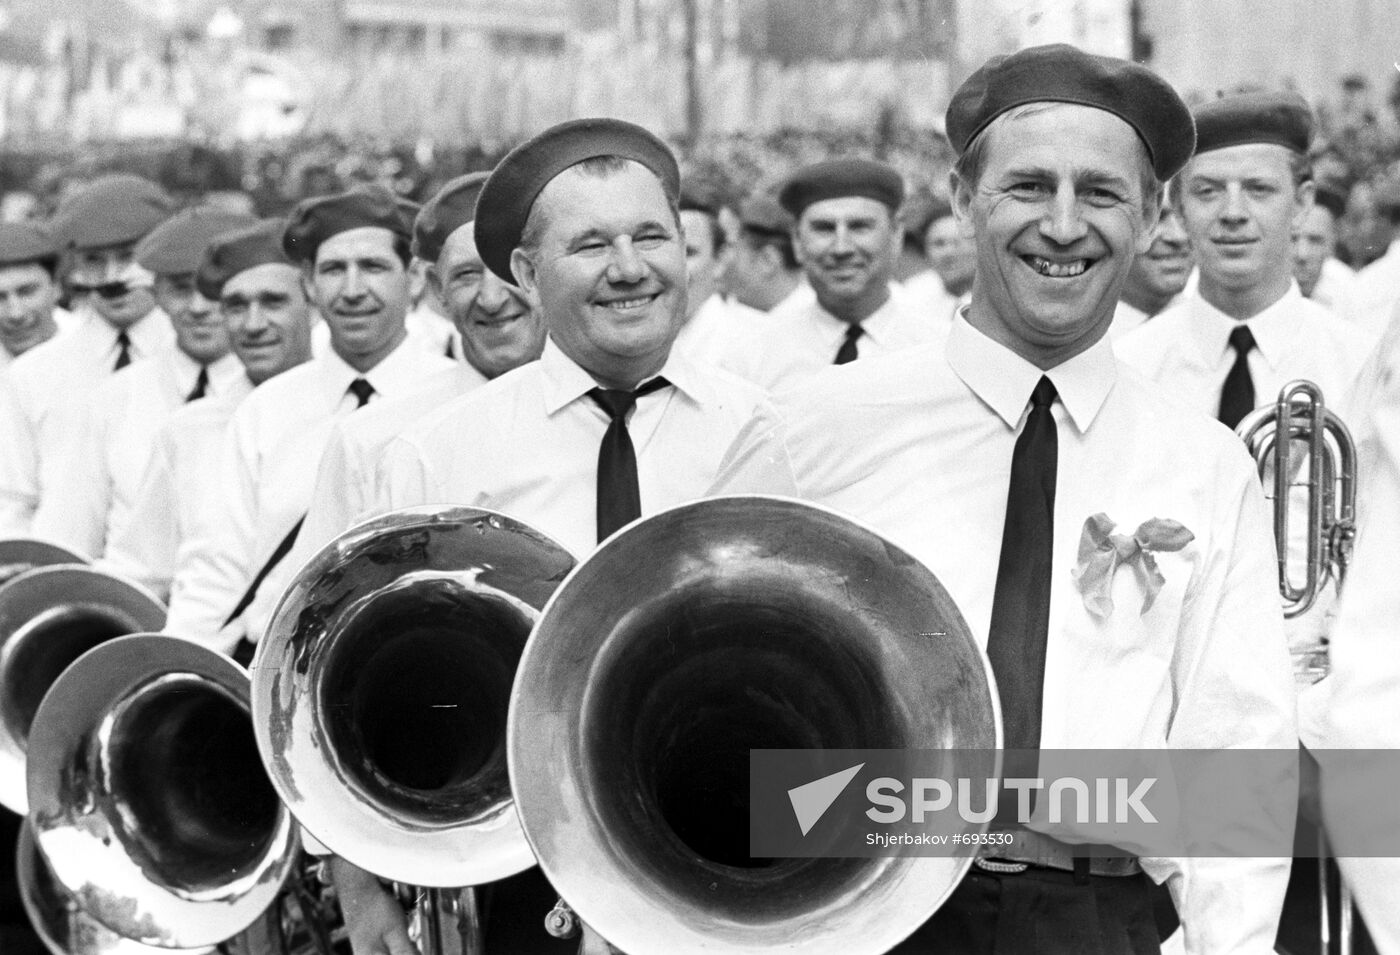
x,y
381,687
148,798
50,616
689,639
19,554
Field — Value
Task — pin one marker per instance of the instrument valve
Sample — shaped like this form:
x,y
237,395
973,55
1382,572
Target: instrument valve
x,y
562,921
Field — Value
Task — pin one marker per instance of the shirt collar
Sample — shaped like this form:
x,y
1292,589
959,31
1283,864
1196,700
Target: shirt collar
x,y
398,373
148,335
880,326
1004,380
1274,329
566,381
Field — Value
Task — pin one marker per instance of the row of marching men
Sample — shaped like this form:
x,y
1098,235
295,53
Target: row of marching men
x,y
564,275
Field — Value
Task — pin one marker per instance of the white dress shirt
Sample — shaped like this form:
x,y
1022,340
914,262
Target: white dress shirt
x,y
434,331
183,471
919,445
1377,290
110,438
64,319
801,339
344,491
60,373
1126,318
267,470
927,294
1364,711
1336,291
527,444
711,332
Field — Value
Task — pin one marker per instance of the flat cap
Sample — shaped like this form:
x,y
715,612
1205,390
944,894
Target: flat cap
x,y
22,242
512,188
761,212
453,206
111,210
838,178
238,251
176,246
1264,116
315,220
1059,73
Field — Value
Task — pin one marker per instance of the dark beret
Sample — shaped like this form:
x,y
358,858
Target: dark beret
x,y
1386,192
239,251
453,206
1059,73
1264,116
315,220
111,210
838,178
762,212
22,242
176,246
512,188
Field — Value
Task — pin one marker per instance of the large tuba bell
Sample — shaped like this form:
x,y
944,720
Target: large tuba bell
x,y
381,687
148,798
19,554
689,639
50,616
61,924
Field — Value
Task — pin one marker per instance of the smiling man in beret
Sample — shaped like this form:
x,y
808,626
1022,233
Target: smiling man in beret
x,y
353,249
98,227
110,435
259,295
610,424
996,457
847,234
29,311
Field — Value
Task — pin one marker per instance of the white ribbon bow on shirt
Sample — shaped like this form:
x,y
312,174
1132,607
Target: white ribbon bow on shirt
x,y
1102,552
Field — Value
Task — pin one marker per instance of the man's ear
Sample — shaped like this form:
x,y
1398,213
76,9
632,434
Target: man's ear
x,y
525,275
1303,196
1152,212
434,280
307,285
962,194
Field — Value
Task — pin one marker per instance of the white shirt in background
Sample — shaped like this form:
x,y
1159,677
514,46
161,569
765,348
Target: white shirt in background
x,y
711,332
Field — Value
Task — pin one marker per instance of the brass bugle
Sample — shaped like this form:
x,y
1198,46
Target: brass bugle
x,y
689,639
148,798
50,616
380,691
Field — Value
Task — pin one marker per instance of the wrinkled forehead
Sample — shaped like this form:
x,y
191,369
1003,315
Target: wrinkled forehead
x,y
583,198
1069,133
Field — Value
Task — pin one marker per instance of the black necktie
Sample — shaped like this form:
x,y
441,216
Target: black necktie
x,y
362,390
1021,603
847,352
1237,396
619,499
201,385
124,351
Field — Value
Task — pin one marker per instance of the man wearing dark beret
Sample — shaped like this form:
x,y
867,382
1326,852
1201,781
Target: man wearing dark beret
x,y
611,422
847,235
499,332
353,249
259,295
98,228
1004,457
29,311
926,287
110,435
1158,276
1321,276
763,272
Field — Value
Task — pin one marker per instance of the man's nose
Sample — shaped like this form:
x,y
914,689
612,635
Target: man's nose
x,y
1063,221
625,264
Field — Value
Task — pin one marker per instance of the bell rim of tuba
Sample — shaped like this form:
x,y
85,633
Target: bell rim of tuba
x,y
33,552
550,716
74,762
28,601
288,675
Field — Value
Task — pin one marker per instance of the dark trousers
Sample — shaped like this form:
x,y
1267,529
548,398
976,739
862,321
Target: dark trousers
x,y
1041,912
16,935
514,916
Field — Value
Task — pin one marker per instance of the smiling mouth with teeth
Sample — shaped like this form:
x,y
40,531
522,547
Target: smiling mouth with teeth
x,y
629,304
1057,270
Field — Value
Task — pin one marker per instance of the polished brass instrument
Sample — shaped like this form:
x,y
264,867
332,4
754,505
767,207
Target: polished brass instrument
x,y
1300,416
50,616
148,798
58,920
380,694
685,641
19,554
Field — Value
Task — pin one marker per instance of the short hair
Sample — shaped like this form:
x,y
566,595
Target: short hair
x,y
759,239
599,167
402,246
969,166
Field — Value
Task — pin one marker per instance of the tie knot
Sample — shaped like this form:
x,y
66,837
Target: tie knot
x,y
123,339
853,333
617,402
1242,339
362,390
1044,394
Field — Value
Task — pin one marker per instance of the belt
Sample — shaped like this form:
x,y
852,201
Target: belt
x,y
1034,849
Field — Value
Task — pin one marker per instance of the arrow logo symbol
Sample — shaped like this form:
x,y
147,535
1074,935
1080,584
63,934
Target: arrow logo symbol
x,y
810,801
